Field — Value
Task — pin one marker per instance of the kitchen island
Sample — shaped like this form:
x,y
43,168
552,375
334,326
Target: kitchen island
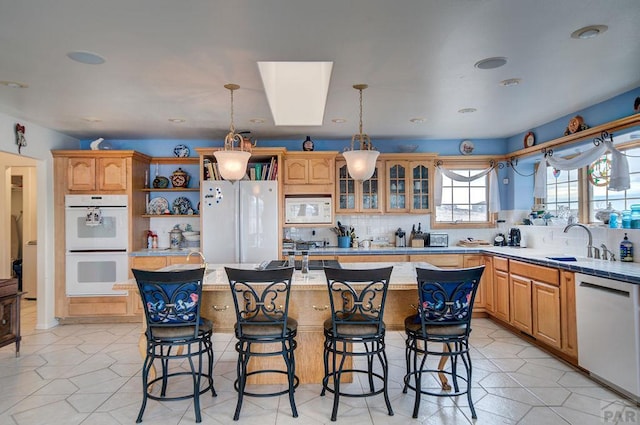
x,y
309,305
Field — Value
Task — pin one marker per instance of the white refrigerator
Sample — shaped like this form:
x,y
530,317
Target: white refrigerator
x,y
239,221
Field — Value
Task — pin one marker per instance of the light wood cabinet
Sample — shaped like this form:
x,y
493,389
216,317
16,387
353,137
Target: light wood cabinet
x,y
486,281
408,184
309,173
546,313
535,301
445,261
309,168
97,172
568,313
354,197
520,295
397,186
501,297
489,293
102,174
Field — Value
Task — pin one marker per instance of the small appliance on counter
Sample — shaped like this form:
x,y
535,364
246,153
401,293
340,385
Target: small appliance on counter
x,y
438,239
514,237
499,240
401,238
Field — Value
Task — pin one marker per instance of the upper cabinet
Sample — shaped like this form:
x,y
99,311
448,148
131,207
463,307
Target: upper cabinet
x,y
308,168
309,172
408,183
353,197
102,174
97,171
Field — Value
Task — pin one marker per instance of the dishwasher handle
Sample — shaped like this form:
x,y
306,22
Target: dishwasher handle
x,y
607,289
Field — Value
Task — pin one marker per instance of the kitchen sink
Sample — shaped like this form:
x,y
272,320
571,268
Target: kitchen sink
x,y
563,258
313,264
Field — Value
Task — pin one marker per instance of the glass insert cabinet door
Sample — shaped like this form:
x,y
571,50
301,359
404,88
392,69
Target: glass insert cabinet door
x,y
355,197
420,187
346,188
397,186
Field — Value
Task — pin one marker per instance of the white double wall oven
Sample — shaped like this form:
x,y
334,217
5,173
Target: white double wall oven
x,y
96,243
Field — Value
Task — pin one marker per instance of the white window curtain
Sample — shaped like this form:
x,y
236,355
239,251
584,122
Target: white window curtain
x,y
618,180
494,191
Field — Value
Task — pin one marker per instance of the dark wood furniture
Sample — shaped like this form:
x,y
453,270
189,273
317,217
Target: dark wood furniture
x,y
10,313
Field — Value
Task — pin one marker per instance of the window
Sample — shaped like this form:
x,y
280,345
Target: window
x,y
464,202
600,196
563,193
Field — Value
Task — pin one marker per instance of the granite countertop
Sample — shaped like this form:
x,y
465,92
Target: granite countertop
x,y
162,252
626,272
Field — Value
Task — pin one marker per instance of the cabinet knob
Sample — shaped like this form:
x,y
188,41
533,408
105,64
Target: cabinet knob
x,y
219,308
4,321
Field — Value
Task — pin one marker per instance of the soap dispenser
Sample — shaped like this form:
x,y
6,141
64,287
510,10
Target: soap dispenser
x,y
626,249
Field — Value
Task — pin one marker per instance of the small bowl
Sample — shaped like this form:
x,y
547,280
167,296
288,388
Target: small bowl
x,y
191,238
407,148
185,234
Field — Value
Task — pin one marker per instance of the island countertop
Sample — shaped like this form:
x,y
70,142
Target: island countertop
x,y
403,275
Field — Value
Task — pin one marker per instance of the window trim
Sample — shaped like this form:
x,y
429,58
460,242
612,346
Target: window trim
x,y
457,163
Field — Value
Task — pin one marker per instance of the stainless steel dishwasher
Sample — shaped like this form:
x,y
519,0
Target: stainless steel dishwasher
x,y
608,321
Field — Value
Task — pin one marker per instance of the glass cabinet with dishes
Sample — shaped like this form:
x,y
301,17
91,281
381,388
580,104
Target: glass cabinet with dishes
x,y
408,183
352,197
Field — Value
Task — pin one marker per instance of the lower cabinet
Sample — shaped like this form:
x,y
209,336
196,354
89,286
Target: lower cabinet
x,y
568,313
535,301
10,320
501,297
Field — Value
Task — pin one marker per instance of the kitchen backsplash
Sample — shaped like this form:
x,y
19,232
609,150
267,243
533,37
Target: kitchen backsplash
x,y
382,228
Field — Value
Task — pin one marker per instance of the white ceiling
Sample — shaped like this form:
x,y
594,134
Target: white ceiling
x,y
170,59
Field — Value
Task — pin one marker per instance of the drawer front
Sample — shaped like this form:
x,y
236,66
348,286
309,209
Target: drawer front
x,y
500,263
534,272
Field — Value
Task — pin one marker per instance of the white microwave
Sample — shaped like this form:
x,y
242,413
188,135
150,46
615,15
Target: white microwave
x,y
316,210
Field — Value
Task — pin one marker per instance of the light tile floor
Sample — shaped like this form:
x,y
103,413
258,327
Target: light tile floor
x,y
90,374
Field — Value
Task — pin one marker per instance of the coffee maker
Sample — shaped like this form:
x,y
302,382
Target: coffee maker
x,y
514,236
401,238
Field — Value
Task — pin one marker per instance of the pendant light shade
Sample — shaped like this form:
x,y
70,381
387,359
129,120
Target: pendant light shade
x,y
232,162
361,163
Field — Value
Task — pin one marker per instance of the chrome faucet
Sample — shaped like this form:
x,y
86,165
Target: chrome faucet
x,y
592,251
204,261
607,254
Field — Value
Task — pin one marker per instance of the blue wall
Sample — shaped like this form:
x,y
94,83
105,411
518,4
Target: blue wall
x,y
517,194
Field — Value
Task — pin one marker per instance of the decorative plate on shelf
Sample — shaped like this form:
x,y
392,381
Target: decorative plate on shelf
x,y
157,206
529,140
466,147
182,206
181,151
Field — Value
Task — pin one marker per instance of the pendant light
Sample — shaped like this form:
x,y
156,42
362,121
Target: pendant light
x,y
232,162
361,163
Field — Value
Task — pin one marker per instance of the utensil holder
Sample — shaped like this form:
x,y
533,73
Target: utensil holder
x,y
344,241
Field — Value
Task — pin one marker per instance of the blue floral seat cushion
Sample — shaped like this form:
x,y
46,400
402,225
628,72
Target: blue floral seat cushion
x,y
445,302
171,303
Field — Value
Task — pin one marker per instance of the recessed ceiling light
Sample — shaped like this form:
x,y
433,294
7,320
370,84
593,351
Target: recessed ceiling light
x,y
257,120
177,120
510,82
13,84
92,119
86,58
339,120
467,110
589,32
491,63
417,120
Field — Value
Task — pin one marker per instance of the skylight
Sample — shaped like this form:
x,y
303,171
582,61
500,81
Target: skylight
x,y
296,91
